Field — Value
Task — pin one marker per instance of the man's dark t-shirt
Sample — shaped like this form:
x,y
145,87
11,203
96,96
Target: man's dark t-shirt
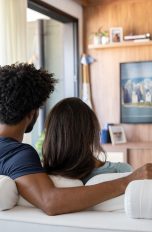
x,y
18,159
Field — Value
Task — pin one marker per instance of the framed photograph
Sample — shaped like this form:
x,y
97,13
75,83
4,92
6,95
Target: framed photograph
x,y
136,92
117,134
116,34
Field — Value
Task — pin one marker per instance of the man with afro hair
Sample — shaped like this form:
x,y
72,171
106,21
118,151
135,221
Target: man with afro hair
x,y
23,90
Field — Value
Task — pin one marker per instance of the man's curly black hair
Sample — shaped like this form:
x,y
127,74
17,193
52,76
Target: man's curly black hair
x,y
23,88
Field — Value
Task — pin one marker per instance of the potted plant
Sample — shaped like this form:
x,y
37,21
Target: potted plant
x,y
105,37
96,36
100,37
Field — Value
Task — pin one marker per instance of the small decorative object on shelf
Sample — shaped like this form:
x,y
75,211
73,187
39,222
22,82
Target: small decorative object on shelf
x,y
105,37
105,135
100,37
116,34
117,134
137,38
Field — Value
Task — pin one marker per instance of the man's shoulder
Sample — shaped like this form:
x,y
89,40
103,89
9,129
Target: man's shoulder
x,y
24,150
7,144
10,148
18,159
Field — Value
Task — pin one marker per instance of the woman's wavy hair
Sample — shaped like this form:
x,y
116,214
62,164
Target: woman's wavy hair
x,y
71,139
23,88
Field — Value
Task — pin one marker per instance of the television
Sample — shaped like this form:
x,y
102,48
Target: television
x,y
136,92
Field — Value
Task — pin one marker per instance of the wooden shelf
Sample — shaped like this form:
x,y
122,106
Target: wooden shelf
x,y
129,145
135,153
120,45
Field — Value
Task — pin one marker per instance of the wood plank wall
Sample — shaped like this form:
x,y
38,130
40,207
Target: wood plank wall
x,y
135,16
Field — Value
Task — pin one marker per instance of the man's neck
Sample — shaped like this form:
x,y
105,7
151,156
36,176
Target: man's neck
x,y
12,131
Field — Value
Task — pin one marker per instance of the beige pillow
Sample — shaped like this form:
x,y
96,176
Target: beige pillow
x,y
8,193
114,204
58,181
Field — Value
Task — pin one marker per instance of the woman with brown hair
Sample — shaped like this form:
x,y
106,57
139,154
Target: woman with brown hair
x,y
72,146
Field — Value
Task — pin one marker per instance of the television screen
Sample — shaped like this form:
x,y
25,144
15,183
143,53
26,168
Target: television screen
x,y
136,92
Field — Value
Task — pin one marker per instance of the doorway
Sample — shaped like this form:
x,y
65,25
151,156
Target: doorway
x,y
59,54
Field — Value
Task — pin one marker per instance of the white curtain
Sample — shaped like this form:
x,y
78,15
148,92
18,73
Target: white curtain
x,y
12,31
13,40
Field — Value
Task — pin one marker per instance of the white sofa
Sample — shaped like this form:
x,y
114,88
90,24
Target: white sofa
x,y
26,218
23,219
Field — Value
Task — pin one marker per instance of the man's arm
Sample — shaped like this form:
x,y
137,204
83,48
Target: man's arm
x,y
39,190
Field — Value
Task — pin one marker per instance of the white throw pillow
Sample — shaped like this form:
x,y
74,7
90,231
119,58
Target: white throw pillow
x,y
138,199
63,182
60,182
113,204
8,193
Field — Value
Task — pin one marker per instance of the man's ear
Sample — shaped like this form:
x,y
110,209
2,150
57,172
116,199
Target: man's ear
x,y
32,113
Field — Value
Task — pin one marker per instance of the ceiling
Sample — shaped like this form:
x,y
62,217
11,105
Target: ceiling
x,y
88,2
82,2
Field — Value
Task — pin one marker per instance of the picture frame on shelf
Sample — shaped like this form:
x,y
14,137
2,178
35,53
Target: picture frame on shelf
x,y
116,34
117,134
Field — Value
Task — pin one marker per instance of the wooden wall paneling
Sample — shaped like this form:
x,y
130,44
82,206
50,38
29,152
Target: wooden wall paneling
x,y
138,132
105,87
134,16
105,78
137,158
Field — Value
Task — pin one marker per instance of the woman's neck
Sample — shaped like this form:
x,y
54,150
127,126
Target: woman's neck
x,y
98,163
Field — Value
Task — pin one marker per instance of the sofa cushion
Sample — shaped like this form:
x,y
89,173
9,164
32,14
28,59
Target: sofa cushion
x,y
58,181
8,193
113,204
63,182
138,199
